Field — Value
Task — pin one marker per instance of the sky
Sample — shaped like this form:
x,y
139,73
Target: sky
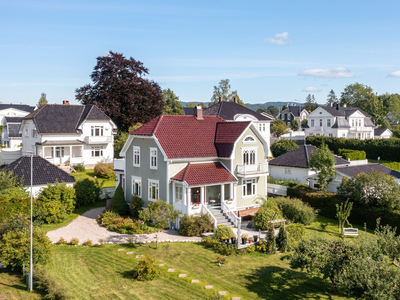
x,y
269,50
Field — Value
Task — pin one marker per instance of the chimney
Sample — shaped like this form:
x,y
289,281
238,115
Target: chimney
x,y
344,105
220,99
337,106
20,103
198,113
294,104
235,99
1,102
65,102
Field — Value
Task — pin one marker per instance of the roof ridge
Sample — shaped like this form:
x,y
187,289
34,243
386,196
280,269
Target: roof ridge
x,y
307,156
184,172
157,123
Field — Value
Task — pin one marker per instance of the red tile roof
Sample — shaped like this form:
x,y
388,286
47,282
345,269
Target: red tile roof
x,y
226,135
204,173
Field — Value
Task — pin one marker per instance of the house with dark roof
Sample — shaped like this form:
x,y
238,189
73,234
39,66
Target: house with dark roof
x,y
292,112
43,172
382,133
350,171
337,121
197,163
69,134
14,110
232,111
293,165
10,136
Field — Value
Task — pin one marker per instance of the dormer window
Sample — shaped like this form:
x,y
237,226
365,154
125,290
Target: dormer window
x,y
97,130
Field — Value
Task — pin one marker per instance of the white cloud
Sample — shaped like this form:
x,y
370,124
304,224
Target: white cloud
x,y
278,39
394,74
311,89
326,73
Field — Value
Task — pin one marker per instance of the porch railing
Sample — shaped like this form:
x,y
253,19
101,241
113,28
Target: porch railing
x,y
204,209
231,215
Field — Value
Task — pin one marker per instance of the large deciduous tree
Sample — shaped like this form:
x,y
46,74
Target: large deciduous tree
x,y
224,90
283,146
322,161
172,105
278,128
121,91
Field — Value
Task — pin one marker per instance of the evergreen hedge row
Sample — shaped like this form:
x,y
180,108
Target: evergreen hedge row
x,y
386,149
325,203
352,154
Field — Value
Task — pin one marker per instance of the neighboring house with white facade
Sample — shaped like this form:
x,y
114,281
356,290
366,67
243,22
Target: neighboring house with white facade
x,y
14,110
293,165
336,121
350,171
232,111
43,172
291,113
10,135
69,134
382,133
197,163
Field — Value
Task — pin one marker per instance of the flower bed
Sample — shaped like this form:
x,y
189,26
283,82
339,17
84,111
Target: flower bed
x,y
114,222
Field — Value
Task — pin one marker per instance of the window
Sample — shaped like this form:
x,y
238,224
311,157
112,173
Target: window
x,y
288,116
249,139
26,132
97,151
59,151
249,187
320,122
367,135
153,190
343,135
34,133
330,135
153,158
178,193
97,130
288,171
136,156
282,116
328,122
137,186
261,127
352,123
249,156
359,122
311,134
312,123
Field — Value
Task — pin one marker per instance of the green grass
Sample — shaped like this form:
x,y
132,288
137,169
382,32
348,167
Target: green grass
x,y
90,175
76,213
12,287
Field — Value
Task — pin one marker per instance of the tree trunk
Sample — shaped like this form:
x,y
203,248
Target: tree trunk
x,y
340,227
334,286
395,263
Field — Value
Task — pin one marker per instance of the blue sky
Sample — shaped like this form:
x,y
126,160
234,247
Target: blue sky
x,y
270,50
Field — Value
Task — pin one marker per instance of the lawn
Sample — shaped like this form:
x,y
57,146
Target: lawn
x,y
11,287
90,175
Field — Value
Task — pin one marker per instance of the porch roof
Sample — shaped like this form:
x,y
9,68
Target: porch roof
x,y
63,142
204,173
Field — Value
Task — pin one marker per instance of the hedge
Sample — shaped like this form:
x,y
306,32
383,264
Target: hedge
x,y
352,154
386,149
325,203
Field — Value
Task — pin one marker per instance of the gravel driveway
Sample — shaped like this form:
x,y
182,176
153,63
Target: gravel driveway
x,y
86,227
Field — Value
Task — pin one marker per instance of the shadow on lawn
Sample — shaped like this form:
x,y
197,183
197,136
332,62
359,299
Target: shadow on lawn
x,y
274,282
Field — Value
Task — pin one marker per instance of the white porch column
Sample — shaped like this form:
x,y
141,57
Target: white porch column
x,y
82,154
222,192
70,155
54,155
173,192
189,201
231,191
234,185
202,195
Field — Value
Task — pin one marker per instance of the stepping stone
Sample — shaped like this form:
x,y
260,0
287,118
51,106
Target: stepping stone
x,y
161,265
209,287
182,275
235,298
139,256
171,270
222,293
129,253
195,281
121,249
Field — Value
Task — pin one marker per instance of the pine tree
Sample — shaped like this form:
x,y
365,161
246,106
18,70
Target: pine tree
x,y
282,240
42,100
331,98
271,242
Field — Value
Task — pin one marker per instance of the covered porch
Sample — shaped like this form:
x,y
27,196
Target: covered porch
x,y
62,152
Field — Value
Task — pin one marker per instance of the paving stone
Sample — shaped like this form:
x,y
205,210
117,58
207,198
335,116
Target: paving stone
x,y
139,256
121,249
195,281
235,298
129,253
182,275
222,293
208,287
161,265
171,270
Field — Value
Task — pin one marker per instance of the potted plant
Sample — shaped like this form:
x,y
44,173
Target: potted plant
x,y
244,238
250,239
255,237
233,238
225,239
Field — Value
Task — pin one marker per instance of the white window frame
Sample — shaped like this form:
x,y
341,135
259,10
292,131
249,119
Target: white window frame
x,y
253,183
320,122
251,160
288,171
98,149
97,130
153,158
136,156
34,133
153,195
312,122
136,186
328,122
178,193
26,131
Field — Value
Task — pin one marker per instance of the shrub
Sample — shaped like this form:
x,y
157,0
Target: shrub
x,y
101,242
51,288
271,242
87,191
55,203
114,222
74,241
15,248
282,240
87,243
352,154
147,269
220,247
80,168
393,165
223,231
295,233
104,170
283,146
268,212
195,225
136,206
284,182
118,203
62,241
296,210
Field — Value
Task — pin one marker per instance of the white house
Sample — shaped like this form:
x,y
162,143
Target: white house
x,y
382,133
69,134
10,136
14,110
336,121
43,172
291,113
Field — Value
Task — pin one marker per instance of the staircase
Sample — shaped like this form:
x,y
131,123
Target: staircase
x,y
222,219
